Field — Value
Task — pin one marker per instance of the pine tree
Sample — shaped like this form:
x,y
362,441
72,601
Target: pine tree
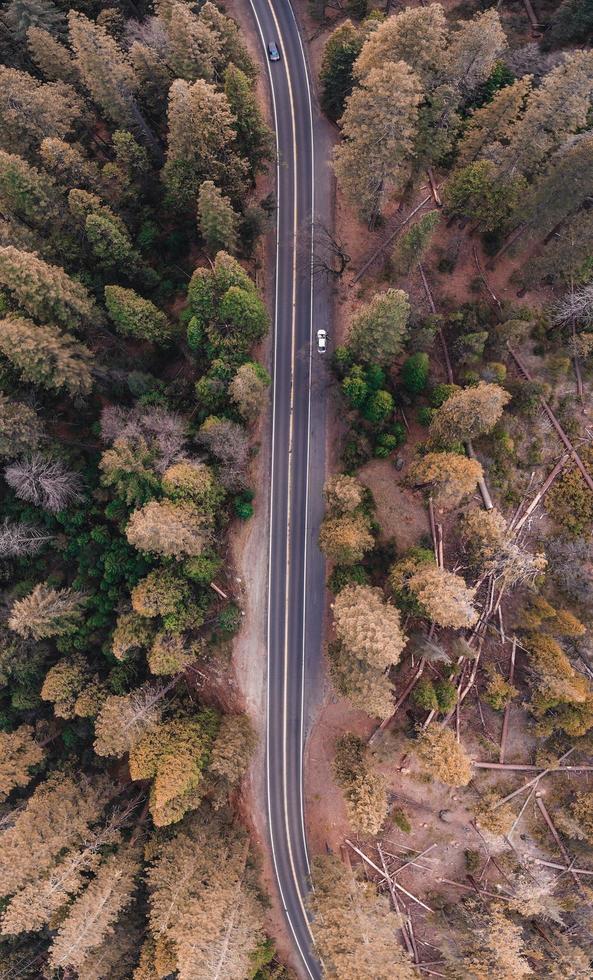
x,y
364,790
474,50
379,328
563,188
63,683
19,752
91,917
255,141
56,817
132,632
481,193
108,75
46,291
194,481
194,48
443,596
346,538
46,612
249,388
154,78
217,221
51,57
20,428
368,626
134,316
202,900
233,51
201,143
25,192
572,20
554,111
174,754
443,757
565,255
450,476
233,748
341,50
68,164
353,926
367,688
491,946
124,720
343,494
44,482
170,653
45,356
413,244
167,528
379,127
469,413
494,121
31,110
20,15
416,35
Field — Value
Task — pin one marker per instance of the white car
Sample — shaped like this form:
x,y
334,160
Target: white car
x,y
322,341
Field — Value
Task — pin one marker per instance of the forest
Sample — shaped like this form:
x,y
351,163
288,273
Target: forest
x,y
131,140
459,505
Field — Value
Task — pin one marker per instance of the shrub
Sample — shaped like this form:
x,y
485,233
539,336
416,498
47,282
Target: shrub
x,y
414,373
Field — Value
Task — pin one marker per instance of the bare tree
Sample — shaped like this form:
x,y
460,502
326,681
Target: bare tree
x,y
330,258
19,538
229,442
163,431
575,307
44,482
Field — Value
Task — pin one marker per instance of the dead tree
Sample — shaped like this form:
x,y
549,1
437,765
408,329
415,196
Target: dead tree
x,y
330,258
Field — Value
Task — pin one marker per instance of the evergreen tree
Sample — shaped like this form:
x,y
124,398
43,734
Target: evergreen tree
x,y
51,57
25,192
555,110
57,816
450,476
45,356
469,413
367,688
378,330
232,50
19,752
443,596
31,110
91,917
480,192
413,244
202,899
45,612
20,15
563,188
124,719
368,626
217,221
201,143
352,926
194,48
233,748
572,21
443,757
154,78
108,76
379,127
341,50
345,539
168,529
255,141
136,317
495,120
248,389
416,35
46,291
174,755
364,790
474,50
20,428
68,165
63,683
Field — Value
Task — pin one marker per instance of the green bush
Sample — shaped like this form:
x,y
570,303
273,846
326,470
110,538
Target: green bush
x,y
414,373
344,575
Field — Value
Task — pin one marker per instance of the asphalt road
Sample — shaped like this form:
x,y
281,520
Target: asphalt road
x,y
296,569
